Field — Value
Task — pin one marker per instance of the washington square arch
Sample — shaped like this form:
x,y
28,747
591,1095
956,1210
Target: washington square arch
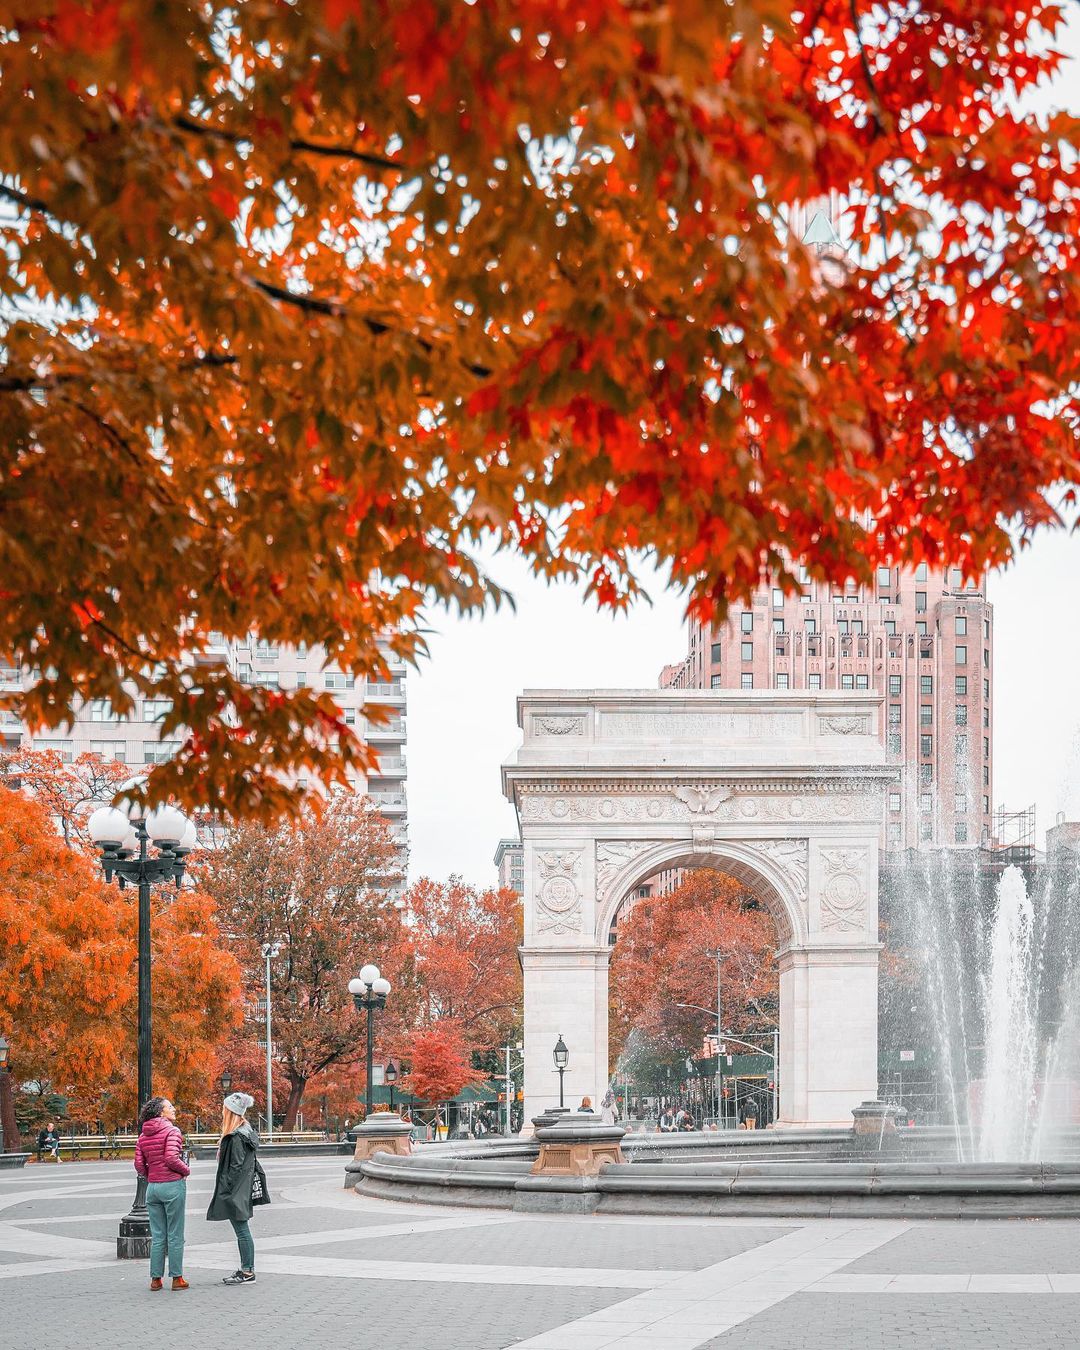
x,y
783,791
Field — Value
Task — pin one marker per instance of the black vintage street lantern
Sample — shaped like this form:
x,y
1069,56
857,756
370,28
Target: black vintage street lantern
x,y
125,838
369,990
562,1059
226,1083
390,1077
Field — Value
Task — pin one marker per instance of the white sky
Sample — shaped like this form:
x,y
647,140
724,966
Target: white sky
x,y
463,720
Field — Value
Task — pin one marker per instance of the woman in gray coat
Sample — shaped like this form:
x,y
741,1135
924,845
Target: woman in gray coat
x,y
240,1183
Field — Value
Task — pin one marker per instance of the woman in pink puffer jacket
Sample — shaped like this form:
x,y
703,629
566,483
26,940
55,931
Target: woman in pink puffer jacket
x,y
158,1158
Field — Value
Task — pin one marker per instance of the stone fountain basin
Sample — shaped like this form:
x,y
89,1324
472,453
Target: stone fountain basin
x,y
499,1175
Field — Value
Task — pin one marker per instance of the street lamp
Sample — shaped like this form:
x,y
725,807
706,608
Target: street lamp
x,y
562,1059
125,838
390,1077
226,1083
270,951
369,990
9,1130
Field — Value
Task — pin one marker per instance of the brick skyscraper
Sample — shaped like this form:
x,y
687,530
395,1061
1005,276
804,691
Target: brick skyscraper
x,y
921,639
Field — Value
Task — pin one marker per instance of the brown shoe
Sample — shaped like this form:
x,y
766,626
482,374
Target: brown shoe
x,y
155,1284
180,1283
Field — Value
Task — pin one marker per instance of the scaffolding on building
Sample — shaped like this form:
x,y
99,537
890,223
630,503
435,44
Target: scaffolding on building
x,y
1012,839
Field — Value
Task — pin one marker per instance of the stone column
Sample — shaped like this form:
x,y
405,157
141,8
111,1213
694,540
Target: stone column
x,y
566,993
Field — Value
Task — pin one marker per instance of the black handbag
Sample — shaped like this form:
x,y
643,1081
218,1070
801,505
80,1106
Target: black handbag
x,y
260,1193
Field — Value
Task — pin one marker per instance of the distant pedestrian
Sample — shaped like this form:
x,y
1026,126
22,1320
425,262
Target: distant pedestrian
x,y
48,1141
586,1105
240,1183
607,1108
667,1121
159,1158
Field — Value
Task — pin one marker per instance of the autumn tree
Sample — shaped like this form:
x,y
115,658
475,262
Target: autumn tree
x,y
318,888
67,975
302,300
69,790
439,1064
666,954
463,945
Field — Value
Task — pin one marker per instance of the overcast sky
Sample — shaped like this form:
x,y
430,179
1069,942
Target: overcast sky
x,y
462,716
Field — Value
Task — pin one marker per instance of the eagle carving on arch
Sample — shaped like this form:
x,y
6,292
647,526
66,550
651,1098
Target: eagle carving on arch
x,y
702,801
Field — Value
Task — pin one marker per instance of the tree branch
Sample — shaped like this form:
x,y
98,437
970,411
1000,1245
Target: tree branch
x,y
346,152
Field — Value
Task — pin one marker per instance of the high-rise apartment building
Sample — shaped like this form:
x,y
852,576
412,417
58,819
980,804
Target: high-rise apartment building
x,y
135,739
510,865
923,640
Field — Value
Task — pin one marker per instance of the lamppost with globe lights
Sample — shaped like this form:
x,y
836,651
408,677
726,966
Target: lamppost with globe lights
x,y
270,951
390,1077
125,839
9,1129
369,990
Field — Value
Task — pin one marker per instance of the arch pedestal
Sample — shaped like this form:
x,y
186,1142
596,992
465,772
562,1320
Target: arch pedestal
x,y
783,791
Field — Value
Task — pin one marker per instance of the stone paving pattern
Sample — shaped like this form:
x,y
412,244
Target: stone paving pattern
x,y
338,1269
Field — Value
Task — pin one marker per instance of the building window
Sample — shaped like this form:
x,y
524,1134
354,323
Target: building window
x,y
747,651
747,682
961,655
961,804
157,752
716,682
782,682
920,602
154,709
926,801
894,714
961,684
961,744
921,628
926,745
109,749
986,775
716,653
926,773
960,626
894,834
777,598
862,682
894,801
810,624
986,657
926,714
961,832
747,621
884,576
986,629
986,747
894,686
269,679
847,682
926,684
334,679
986,689
63,748
815,681
890,627
986,806
265,650
301,679
922,572
986,717
857,627
350,717
101,711
778,627
926,831
961,714
894,742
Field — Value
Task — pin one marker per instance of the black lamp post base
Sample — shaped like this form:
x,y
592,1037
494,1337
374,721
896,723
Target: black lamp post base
x,y
133,1241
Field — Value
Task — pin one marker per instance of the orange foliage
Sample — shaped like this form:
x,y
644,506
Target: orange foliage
x,y
666,955
463,945
68,994
439,1062
282,348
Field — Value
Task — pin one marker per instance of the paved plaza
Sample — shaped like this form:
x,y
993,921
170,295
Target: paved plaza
x,y
335,1269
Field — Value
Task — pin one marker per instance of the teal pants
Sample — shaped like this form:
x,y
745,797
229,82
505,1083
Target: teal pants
x,y
165,1201
245,1242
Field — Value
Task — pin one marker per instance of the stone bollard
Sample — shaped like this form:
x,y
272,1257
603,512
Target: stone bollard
x,y
876,1118
383,1132
577,1144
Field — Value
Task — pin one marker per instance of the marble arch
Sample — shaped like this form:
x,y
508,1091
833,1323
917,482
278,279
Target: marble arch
x,y
783,790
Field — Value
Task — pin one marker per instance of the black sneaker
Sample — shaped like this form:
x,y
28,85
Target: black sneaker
x,y
239,1277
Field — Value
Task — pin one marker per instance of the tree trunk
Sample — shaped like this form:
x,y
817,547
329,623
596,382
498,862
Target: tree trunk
x,y
8,1125
292,1108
